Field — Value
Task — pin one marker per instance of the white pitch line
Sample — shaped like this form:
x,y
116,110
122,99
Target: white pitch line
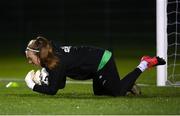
x,y
10,79
68,81
79,82
76,82
22,80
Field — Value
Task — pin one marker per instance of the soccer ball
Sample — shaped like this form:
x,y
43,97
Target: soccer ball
x,y
41,77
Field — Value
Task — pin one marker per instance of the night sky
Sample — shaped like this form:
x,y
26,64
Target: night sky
x,y
78,21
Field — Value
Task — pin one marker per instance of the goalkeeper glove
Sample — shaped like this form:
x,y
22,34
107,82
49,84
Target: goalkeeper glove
x,y
28,79
36,78
44,76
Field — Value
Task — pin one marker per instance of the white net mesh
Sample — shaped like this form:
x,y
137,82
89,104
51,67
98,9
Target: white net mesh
x,y
173,33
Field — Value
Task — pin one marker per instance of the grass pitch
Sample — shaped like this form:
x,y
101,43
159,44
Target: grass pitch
x,y
79,98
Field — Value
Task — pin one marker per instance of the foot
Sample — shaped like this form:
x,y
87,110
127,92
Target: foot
x,y
136,90
153,61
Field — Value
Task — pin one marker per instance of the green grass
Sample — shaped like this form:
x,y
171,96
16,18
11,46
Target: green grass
x,y
79,98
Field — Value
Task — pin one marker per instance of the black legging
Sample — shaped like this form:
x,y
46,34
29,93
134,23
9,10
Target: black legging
x,y
107,80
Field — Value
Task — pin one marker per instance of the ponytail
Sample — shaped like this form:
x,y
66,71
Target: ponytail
x,y
46,53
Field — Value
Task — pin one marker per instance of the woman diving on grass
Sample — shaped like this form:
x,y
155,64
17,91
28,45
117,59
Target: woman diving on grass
x,y
80,63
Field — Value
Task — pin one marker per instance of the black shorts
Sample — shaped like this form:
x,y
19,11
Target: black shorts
x,y
107,80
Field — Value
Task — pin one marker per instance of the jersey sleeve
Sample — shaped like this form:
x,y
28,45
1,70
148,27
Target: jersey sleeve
x,y
57,80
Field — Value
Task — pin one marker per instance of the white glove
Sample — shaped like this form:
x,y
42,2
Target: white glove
x,y
28,79
44,76
44,73
37,78
41,77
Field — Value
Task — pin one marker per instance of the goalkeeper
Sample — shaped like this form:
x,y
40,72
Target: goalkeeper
x,y
79,63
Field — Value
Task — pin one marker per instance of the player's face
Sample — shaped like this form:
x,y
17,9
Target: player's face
x,y
32,58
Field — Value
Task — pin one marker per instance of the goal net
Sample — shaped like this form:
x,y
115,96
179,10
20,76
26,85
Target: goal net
x,y
168,41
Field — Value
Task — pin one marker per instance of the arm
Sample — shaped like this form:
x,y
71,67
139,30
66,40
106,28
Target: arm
x,y
50,89
57,80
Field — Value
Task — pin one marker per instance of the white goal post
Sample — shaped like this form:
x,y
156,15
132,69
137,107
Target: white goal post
x,y
168,41
161,40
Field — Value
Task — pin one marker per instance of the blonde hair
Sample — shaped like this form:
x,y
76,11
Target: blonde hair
x,y
44,50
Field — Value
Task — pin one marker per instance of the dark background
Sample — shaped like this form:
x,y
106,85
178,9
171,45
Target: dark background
x,y
111,24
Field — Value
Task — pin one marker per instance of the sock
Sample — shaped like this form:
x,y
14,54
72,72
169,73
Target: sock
x,y
142,66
